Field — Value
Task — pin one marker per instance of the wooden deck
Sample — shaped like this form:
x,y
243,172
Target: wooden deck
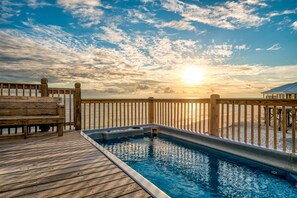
x,y
68,166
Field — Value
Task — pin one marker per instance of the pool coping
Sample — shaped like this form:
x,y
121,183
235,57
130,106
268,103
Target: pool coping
x,y
153,190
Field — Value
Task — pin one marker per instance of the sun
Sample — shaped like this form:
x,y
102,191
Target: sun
x,y
193,75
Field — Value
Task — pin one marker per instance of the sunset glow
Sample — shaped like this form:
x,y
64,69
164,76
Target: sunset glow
x,y
193,75
144,48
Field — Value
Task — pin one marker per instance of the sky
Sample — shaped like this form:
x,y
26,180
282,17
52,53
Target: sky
x,y
142,48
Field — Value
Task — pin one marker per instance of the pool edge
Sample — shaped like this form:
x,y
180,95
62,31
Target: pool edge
x,y
153,190
274,158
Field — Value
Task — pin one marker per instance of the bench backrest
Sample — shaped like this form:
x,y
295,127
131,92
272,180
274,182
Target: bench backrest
x,y
28,106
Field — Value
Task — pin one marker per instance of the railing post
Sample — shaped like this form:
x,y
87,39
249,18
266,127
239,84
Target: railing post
x,y
77,102
151,113
214,115
44,93
44,87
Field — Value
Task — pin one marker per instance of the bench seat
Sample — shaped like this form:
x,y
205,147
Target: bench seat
x,y
28,111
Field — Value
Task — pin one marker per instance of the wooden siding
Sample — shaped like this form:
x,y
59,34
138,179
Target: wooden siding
x,y
67,166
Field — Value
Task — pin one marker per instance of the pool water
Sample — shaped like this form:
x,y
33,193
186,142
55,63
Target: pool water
x,y
182,169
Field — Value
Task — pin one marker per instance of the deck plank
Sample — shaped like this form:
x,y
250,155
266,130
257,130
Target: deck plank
x,y
67,166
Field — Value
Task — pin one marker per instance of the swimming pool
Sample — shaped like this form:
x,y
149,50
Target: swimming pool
x,y
182,169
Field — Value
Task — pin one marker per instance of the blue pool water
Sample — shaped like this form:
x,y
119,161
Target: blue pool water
x,y
184,170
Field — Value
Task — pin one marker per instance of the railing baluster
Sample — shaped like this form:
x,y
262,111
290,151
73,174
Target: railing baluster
x,y
293,129
16,90
120,106
284,115
233,120
90,106
245,123
239,125
117,113
196,113
252,124
267,122
139,114
108,115
259,125
8,89
192,113
94,118
85,116
112,115
64,103
146,112
274,128
200,117
204,118
103,115
227,121
131,109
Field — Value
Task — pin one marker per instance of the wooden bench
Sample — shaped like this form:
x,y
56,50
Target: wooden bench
x,y
29,111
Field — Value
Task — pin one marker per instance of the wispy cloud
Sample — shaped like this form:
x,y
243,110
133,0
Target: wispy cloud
x,y
230,15
285,12
136,16
274,47
241,47
88,12
8,10
294,25
38,3
179,25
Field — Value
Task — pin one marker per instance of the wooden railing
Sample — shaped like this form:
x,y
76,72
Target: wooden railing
x,y
269,123
187,114
263,122
19,89
67,96
106,113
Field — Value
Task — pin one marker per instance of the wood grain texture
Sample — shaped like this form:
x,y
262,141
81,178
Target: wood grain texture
x,y
27,111
68,166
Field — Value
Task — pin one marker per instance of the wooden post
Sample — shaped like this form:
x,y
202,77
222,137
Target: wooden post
x,y
151,118
44,87
77,106
44,93
214,115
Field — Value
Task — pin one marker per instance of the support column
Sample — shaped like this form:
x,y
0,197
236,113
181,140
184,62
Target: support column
x,y
151,112
44,87
214,115
77,106
44,93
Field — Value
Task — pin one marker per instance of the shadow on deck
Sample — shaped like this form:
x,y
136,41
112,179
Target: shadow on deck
x,y
68,166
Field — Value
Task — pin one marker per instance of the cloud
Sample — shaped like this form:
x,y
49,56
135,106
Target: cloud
x,y
241,47
285,12
230,15
179,25
88,12
274,47
255,2
219,53
147,1
112,34
294,25
136,16
8,10
37,3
